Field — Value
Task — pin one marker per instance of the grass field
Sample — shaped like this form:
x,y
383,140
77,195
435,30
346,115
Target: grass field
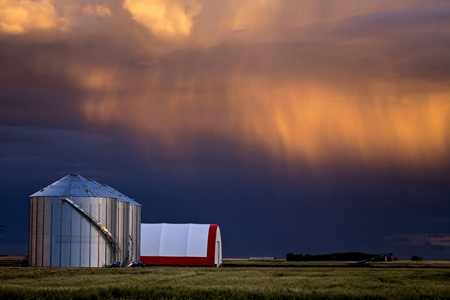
x,y
237,279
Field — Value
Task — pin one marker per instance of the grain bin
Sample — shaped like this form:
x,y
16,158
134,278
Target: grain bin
x,y
76,222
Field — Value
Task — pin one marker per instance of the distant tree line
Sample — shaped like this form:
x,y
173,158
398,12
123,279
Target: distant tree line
x,y
348,256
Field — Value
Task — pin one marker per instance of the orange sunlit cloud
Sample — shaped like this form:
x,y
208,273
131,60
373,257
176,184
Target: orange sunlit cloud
x,y
311,81
322,124
165,18
18,17
309,123
320,93
97,10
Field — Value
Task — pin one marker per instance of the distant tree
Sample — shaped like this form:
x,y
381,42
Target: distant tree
x,y
347,256
294,257
416,258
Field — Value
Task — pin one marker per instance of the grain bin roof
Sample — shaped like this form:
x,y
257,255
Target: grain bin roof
x,y
119,196
74,185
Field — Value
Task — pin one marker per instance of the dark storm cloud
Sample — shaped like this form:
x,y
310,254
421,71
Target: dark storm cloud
x,y
407,43
411,21
298,126
435,242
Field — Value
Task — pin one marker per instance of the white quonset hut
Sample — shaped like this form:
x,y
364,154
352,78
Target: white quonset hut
x,y
181,244
75,222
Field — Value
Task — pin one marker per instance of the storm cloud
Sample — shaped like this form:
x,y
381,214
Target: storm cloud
x,y
256,110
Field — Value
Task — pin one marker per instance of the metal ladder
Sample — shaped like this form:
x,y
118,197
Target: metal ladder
x,y
101,228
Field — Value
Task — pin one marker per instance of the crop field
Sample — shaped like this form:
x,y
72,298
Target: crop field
x,y
237,279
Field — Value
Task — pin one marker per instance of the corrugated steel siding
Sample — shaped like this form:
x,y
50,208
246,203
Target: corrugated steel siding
x,y
135,231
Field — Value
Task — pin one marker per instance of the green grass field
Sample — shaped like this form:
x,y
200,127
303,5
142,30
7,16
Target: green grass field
x,y
237,279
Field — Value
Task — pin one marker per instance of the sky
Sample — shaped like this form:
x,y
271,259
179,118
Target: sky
x,y
310,127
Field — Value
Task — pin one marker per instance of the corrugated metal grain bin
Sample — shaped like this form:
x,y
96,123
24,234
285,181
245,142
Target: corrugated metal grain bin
x,y
76,222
